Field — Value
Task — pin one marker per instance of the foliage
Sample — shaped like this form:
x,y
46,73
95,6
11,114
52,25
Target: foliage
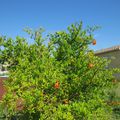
x,y
61,81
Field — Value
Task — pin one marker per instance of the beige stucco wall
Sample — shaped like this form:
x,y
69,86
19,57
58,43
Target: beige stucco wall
x,y
114,56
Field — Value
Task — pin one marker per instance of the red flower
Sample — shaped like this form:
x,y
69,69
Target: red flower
x,y
94,42
91,65
57,85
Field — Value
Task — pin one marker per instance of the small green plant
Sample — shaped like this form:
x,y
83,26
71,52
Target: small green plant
x,y
61,81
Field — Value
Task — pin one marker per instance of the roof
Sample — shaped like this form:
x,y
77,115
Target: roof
x,y
106,50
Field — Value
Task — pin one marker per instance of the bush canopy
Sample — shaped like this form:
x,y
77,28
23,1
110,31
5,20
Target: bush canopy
x,y
63,80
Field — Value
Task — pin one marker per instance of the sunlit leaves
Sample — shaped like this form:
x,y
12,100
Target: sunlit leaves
x,y
64,80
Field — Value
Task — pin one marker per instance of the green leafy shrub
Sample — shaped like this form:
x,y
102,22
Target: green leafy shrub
x,y
61,81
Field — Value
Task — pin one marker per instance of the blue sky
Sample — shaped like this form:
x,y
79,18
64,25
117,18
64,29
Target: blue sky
x,y
56,15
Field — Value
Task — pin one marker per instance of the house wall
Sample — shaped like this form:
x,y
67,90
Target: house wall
x,y
114,56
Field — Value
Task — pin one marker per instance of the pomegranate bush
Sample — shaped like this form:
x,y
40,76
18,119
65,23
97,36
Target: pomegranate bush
x,y
63,80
